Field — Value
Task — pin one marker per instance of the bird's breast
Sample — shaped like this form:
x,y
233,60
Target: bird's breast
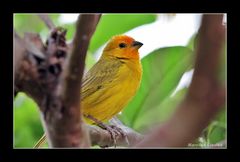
x,y
116,95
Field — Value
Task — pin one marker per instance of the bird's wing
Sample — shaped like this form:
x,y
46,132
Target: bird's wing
x,y
99,76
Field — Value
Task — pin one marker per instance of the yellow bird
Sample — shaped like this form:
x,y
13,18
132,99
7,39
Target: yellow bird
x,y
112,82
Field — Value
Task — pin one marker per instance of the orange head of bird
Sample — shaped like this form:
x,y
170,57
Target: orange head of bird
x,y
122,46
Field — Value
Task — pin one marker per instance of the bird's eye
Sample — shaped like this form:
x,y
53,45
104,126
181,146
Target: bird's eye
x,y
122,45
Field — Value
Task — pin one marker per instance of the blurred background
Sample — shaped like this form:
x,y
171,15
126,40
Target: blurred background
x,y
167,57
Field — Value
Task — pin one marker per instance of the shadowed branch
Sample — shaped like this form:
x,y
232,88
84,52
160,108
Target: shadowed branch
x,y
205,95
43,73
67,125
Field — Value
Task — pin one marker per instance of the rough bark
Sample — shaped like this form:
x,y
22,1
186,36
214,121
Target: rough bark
x,y
47,73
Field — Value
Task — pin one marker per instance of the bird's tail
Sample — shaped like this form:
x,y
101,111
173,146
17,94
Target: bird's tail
x,y
41,141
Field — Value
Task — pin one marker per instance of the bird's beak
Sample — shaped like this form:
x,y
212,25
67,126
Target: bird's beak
x,y
137,44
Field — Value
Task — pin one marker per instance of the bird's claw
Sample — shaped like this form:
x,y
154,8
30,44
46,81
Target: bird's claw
x,y
115,132
112,129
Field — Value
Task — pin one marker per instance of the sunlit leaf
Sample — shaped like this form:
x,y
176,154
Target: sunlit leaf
x,y
162,70
29,23
217,135
90,61
161,112
216,131
112,24
192,42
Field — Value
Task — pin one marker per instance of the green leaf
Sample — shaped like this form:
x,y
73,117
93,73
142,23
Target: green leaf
x,y
221,117
161,112
30,23
55,19
110,25
114,24
216,131
90,61
217,134
27,124
162,70
192,42
33,24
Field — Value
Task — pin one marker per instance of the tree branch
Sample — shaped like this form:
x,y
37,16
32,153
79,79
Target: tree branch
x,y
45,18
102,137
86,26
27,58
19,51
205,95
40,75
65,123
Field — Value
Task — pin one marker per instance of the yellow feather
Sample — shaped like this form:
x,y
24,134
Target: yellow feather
x,y
109,86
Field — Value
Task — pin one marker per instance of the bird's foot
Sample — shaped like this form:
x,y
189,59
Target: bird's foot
x,y
112,129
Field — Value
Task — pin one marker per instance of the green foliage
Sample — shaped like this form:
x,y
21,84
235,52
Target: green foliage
x,y
90,61
30,23
216,130
27,125
112,24
162,70
192,42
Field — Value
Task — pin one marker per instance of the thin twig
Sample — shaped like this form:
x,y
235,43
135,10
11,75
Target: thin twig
x,y
45,18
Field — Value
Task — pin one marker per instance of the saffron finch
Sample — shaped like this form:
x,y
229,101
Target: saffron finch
x,y
112,82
